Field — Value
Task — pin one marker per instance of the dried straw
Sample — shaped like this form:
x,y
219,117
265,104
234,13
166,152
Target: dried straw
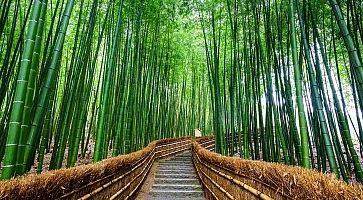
x,y
292,181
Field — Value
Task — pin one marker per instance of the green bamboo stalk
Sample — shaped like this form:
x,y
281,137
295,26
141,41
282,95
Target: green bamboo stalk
x,y
45,90
105,95
30,91
9,162
298,85
351,48
341,117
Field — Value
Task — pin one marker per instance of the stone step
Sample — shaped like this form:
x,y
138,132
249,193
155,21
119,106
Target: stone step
x,y
180,158
177,161
183,156
171,165
176,187
179,181
174,198
180,161
175,171
179,167
171,194
176,176
176,179
185,162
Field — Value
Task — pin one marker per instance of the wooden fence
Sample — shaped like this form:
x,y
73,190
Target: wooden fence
x,y
114,178
234,178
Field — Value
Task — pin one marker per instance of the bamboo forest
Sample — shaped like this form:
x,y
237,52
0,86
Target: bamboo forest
x,y
279,81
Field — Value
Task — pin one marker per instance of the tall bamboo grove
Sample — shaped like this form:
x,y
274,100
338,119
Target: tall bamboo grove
x,y
273,80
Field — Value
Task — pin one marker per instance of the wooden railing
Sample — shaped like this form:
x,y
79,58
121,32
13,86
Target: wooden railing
x,y
221,184
221,177
207,142
234,178
115,178
171,148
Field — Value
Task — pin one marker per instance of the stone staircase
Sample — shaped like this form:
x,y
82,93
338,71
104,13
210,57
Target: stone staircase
x,y
176,179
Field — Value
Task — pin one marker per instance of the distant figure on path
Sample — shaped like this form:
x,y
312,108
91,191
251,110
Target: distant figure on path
x,y
197,132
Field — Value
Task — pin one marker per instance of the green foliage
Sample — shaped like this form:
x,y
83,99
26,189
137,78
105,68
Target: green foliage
x,y
267,79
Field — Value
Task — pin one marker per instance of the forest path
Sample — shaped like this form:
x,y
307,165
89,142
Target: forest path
x,y
175,178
